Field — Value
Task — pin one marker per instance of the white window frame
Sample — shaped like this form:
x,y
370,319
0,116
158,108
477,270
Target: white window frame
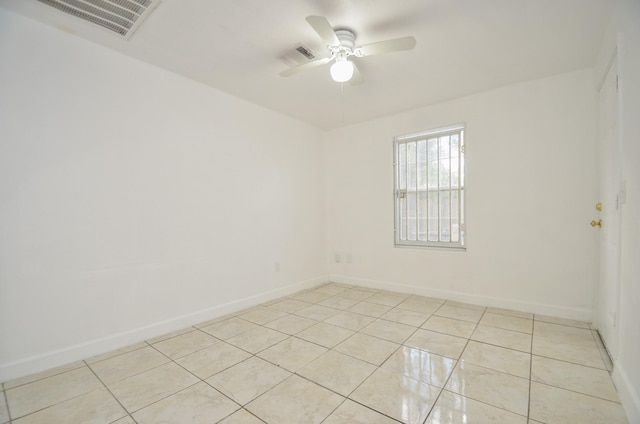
x,y
402,237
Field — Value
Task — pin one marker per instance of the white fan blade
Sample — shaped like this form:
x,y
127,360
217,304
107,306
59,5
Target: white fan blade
x,y
389,46
356,79
305,66
322,26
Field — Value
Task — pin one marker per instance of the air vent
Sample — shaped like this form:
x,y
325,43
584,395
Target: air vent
x,y
305,52
122,17
299,54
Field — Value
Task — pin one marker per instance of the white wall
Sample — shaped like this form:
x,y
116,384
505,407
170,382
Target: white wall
x,y
134,201
624,34
530,151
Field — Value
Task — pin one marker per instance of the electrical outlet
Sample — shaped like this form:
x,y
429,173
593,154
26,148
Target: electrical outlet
x,y
276,266
338,258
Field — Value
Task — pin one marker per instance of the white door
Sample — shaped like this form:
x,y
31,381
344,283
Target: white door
x,y
609,233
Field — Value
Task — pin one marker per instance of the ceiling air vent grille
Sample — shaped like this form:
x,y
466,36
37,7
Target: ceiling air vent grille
x,y
122,17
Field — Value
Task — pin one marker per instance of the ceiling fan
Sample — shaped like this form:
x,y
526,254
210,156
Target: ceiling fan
x,y
341,45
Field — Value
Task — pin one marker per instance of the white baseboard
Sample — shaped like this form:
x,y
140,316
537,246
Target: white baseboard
x,y
627,392
580,314
59,357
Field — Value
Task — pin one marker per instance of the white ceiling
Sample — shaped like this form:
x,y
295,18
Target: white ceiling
x,y
463,47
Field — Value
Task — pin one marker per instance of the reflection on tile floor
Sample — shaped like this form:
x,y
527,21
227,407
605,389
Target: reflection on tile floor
x,y
337,354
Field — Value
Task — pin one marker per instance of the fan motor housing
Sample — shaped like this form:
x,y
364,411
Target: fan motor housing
x,y
347,38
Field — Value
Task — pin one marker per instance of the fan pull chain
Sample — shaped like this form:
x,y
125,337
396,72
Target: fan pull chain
x,y
342,101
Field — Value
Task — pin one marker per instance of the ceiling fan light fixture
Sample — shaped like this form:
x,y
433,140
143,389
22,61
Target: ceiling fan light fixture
x,y
342,70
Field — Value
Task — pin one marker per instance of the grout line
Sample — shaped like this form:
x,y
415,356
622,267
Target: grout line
x,y
579,393
604,352
111,393
6,402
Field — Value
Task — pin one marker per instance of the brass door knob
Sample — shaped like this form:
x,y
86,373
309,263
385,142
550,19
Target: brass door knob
x,y
597,223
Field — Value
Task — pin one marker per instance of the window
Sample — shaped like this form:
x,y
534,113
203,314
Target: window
x,y
429,188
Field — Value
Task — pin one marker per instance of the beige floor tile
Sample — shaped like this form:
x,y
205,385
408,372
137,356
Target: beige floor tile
x,y
405,316
465,305
317,312
350,320
367,348
326,335
425,305
489,386
397,396
241,417
420,365
552,405
229,328
387,299
562,321
388,330
508,323
438,343
113,353
127,364
291,324
198,404
141,390
576,353
257,339
577,378
209,361
214,320
42,375
289,305
390,353
40,394
510,312
171,335
357,294
179,346
97,407
337,372
497,358
504,338
354,413
292,353
331,289
452,408
370,309
454,327
310,296
124,420
262,315
295,400
460,313
564,333
338,302
247,380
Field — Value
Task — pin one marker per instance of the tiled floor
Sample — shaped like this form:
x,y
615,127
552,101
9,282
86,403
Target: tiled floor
x,y
337,354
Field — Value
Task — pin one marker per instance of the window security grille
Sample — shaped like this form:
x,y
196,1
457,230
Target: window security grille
x,y
429,188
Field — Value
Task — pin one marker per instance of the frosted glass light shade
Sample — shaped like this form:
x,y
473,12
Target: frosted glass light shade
x,y
341,71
